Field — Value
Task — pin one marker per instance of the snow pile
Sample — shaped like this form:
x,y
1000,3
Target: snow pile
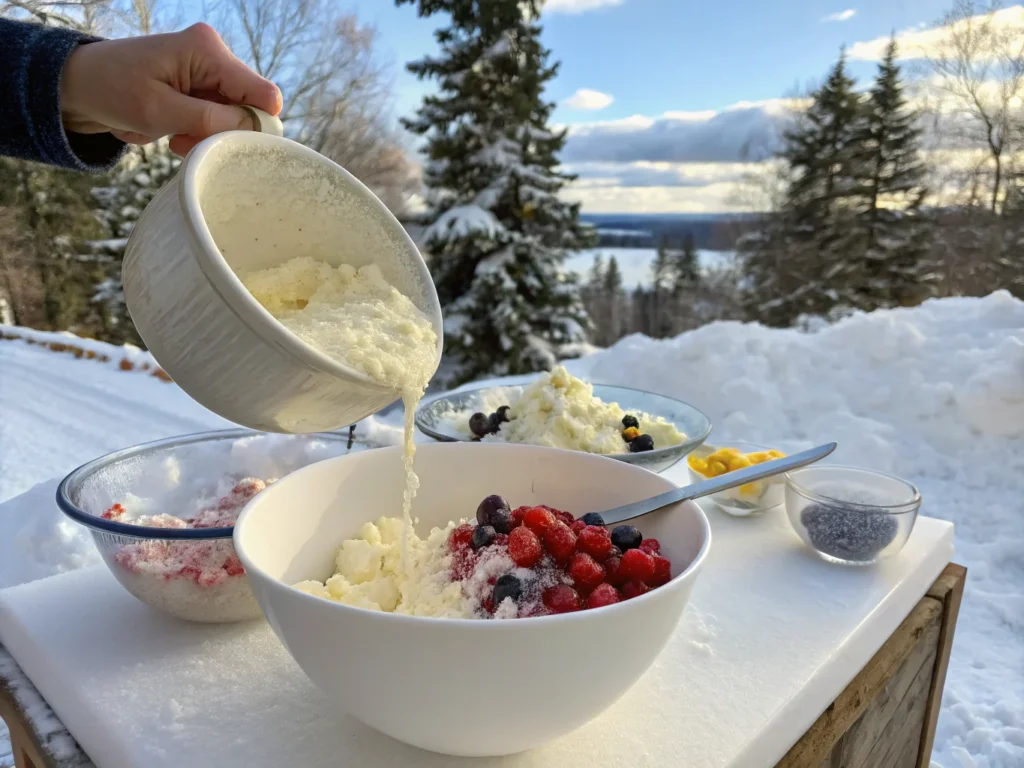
x,y
126,357
934,394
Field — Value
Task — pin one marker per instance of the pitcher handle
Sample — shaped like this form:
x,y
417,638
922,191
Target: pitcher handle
x,y
265,123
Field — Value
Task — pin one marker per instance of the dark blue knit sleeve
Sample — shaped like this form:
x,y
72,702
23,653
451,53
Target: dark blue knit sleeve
x,y
31,60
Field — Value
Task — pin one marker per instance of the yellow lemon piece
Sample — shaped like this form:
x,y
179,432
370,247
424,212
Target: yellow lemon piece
x,y
776,454
749,488
738,462
716,467
698,465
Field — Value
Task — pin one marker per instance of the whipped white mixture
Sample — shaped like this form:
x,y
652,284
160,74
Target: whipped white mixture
x,y
560,411
369,573
355,317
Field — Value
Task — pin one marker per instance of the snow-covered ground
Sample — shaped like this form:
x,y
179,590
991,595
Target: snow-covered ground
x,y
635,263
934,394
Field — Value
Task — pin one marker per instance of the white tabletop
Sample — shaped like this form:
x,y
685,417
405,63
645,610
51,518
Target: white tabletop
x,y
771,636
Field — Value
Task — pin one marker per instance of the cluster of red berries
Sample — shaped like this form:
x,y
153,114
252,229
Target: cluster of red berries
x,y
583,564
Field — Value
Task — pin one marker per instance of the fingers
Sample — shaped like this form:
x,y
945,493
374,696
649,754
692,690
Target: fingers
x,y
220,70
182,145
131,137
199,118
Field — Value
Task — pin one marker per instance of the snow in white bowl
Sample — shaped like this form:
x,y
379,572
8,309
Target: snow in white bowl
x,y
467,687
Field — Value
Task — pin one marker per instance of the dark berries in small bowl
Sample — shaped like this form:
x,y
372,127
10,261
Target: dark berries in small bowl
x,y
641,443
483,424
851,516
630,421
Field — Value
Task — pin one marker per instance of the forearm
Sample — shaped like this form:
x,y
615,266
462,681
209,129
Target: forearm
x,y
32,58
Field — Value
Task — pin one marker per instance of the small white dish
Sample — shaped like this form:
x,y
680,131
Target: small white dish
x,y
467,687
751,499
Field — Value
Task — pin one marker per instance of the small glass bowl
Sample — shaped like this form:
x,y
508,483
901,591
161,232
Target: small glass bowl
x,y
750,499
138,556
851,516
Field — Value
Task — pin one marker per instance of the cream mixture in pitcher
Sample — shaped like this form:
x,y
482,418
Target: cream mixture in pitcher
x,y
356,317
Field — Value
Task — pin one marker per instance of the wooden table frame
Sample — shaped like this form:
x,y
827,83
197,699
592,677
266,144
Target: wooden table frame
x,y
885,718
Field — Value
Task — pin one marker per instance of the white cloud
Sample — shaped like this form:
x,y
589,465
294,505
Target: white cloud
x,y
920,42
846,15
578,6
588,99
744,132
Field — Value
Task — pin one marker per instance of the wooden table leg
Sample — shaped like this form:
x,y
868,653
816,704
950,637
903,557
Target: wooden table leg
x,y
886,716
949,589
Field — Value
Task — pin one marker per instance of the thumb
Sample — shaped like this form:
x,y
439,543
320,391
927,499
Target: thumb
x,y
200,118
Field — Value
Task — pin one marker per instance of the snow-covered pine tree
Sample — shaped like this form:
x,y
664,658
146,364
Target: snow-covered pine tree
x,y
797,264
119,203
498,231
893,234
686,268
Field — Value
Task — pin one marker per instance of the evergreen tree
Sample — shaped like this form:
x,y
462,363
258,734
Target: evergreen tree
x,y
686,268
51,208
498,231
129,189
893,233
797,263
616,298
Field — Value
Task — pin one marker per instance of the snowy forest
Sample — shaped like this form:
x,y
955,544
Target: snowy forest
x,y
859,205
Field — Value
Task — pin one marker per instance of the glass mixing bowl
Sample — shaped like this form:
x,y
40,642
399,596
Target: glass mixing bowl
x,y
442,418
188,572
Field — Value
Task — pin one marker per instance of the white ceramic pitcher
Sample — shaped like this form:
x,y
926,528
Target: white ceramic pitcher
x,y
245,200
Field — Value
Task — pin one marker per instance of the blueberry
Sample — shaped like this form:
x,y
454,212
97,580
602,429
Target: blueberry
x,y
503,413
593,518
626,537
630,421
478,424
493,423
641,443
506,586
848,533
482,536
494,511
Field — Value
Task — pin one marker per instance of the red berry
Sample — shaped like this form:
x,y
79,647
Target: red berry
x,y
461,537
560,541
651,546
538,519
500,540
463,563
662,572
561,598
524,547
595,541
585,571
615,552
233,566
636,564
611,567
633,589
488,605
577,526
517,516
603,594
565,517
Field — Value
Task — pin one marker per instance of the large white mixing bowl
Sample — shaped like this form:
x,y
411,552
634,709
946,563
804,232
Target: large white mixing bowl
x,y
462,686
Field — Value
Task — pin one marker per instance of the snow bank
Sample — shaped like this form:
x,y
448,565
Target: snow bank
x,y
127,357
934,394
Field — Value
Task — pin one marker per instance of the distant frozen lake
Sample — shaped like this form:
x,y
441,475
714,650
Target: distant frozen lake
x,y
635,263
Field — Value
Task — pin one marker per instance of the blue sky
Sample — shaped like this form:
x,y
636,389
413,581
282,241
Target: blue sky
x,y
670,102
655,56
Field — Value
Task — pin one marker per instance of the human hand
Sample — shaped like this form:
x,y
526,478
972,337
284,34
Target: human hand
x,y
184,85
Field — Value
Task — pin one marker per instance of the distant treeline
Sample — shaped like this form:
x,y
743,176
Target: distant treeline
x,y
713,232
